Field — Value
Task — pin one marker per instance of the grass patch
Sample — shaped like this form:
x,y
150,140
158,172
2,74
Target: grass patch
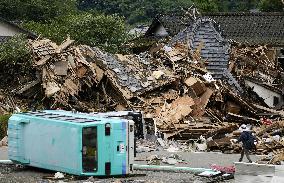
x,y
4,124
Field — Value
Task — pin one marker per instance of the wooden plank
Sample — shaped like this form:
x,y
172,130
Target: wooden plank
x,y
28,86
64,45
43,60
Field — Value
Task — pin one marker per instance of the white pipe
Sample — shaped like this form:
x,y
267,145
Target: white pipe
x,y
170,168
7,162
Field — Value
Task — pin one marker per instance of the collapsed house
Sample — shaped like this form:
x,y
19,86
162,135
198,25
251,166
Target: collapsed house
x,y
249,29
197,83
170,84
211,32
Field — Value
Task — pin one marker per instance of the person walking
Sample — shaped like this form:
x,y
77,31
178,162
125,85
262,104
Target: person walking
x,y
247,140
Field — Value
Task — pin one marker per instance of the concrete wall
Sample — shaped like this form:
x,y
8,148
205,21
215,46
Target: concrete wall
x,y
8,30
265,93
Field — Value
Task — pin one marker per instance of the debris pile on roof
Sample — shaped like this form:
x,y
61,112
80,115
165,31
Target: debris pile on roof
x,y
183,101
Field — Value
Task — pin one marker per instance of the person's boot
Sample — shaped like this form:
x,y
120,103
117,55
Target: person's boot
x,y
240,160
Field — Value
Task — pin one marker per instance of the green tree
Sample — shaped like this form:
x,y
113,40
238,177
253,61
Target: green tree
x,y
206,5
14,50
15,61
105,31
134,10
271,6
11,10
4,125
236,5
42,10
37,10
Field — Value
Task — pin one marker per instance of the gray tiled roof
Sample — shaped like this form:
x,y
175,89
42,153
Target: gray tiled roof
x,y
134,74
215,49
172,23
251,28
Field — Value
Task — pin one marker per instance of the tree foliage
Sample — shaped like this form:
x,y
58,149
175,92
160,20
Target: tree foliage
x,y
134,10
15,61
57,19
271,5
93,22
14,50
207,5
236,5
105,31
137,11
36,10
4,125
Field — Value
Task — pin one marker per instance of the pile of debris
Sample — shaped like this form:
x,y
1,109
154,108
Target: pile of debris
x,y
271,141
170,83
257,69
62,72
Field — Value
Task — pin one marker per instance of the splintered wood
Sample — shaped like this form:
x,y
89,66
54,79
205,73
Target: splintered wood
x,y
170,84
62,68
171,114
257,61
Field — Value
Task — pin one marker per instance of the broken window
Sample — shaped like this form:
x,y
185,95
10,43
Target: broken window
x,y
89,149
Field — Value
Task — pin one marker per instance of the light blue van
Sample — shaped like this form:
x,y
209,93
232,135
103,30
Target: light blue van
x,y
74,143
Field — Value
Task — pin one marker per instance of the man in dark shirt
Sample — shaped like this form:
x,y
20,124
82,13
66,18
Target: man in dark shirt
x,y
247,140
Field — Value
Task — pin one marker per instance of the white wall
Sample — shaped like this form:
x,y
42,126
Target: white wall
x,y
8,30
264,93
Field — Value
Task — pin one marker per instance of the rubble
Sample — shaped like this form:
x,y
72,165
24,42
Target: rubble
x,y
62,70
144,146
180,99
194,90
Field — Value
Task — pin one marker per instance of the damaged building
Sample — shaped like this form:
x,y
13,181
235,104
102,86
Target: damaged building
x,y
196,82
226,29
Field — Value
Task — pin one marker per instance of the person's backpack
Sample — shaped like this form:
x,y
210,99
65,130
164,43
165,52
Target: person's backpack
x,y
251,144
